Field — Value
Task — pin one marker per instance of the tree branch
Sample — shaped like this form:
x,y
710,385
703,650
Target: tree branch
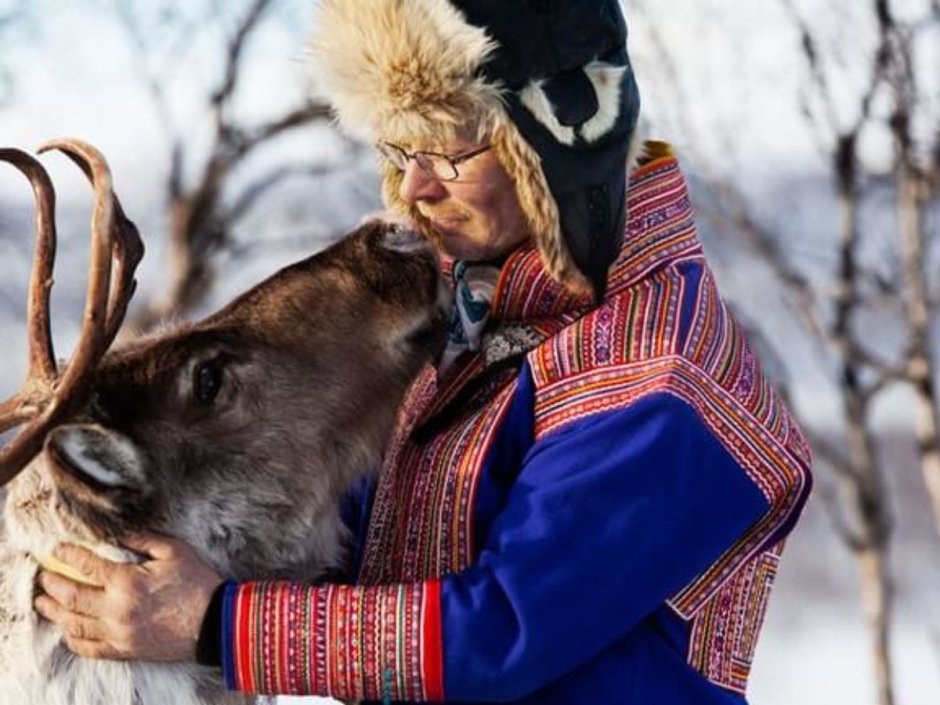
x,y
260,187
244,142
235,51
266,247
832,502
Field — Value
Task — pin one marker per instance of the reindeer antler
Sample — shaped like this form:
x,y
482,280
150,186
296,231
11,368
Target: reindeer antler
x,y
48,399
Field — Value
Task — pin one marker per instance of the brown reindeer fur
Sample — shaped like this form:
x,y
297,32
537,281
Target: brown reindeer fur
x,y
312,362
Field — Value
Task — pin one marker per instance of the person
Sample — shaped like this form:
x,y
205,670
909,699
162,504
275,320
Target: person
x,y
585,501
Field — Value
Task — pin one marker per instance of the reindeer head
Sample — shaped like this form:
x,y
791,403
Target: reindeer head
x,y
239,433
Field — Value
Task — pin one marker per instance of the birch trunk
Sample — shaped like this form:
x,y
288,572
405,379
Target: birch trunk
x,y
921,365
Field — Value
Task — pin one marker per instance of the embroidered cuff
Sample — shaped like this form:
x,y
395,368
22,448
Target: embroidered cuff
x,y
352,643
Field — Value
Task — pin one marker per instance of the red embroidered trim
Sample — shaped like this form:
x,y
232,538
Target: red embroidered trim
x,y
243,646
432,645
640,324
659,231
422,516
724,632
716,344
346,642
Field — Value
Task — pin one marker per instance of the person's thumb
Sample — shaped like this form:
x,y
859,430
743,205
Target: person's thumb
x,y
154,546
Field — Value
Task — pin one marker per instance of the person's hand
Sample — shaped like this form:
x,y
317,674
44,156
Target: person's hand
x,y
151,611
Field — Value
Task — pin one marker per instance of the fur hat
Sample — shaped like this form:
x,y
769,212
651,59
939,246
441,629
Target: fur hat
x,y
548,83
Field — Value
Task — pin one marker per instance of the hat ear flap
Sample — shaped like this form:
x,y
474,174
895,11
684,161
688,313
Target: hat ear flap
x,y
539,206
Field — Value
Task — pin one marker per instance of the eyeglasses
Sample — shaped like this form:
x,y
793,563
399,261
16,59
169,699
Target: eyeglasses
x,y
440,166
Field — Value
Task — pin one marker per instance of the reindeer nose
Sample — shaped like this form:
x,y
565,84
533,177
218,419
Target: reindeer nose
x,y
402,237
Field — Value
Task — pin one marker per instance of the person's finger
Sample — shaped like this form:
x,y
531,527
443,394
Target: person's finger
x,y
48,608
71,624
157,546
74,597
88,563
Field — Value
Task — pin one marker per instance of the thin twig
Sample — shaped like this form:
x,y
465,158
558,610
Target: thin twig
x,y
235,51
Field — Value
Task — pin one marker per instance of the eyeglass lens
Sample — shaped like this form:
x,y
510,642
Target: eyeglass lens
x,y
432,164
436,165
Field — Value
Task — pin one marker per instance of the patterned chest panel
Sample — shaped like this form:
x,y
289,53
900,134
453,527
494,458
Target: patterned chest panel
x,y
726,605
716,345
631,348
578,371
422,518
725,630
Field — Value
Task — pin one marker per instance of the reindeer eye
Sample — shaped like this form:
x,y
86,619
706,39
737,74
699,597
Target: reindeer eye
x,y
207,381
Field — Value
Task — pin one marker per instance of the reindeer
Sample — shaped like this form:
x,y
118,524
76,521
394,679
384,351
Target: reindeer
x,y
238,434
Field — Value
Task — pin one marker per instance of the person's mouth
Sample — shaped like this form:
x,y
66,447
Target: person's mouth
x,y
445,222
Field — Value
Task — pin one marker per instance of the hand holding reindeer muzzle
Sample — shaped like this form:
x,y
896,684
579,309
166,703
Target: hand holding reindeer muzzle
x,y
152,611
48,396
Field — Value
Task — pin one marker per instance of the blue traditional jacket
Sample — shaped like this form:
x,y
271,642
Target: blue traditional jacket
x,y
589,510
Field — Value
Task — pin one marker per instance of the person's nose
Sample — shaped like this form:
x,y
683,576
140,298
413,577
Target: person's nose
x,y
418,185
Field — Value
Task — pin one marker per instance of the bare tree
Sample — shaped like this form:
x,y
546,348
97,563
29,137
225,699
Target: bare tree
x,y
891,104
200,215
912,176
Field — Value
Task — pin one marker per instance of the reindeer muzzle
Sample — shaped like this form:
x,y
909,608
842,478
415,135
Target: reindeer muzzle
x,y
403,237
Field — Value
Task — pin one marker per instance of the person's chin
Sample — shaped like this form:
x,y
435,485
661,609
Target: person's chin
x,y
455,242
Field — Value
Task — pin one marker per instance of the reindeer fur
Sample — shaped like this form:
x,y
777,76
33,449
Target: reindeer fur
x,y
311,366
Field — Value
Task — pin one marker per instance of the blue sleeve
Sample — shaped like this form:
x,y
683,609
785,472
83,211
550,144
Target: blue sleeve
x,y
608,518
355,507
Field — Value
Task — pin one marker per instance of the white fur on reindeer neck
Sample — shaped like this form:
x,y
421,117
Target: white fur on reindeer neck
x,y
35,666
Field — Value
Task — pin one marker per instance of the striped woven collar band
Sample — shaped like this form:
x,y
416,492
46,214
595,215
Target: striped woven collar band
x,y
659,232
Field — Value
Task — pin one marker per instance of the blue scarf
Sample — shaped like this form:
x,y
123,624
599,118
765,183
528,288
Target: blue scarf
x,y
474,285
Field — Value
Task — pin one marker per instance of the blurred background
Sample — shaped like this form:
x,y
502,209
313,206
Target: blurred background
x,y
810,130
